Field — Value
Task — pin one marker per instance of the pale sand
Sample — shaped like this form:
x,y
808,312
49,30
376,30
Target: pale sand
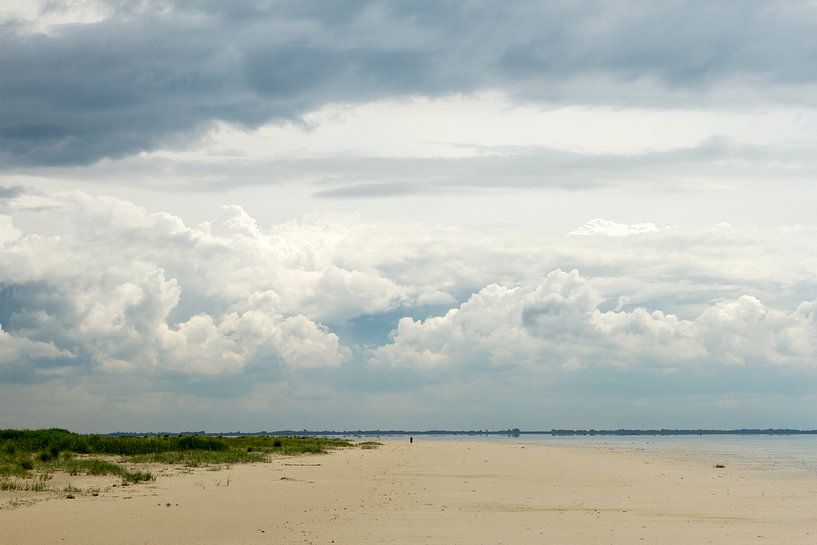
x,y
443,492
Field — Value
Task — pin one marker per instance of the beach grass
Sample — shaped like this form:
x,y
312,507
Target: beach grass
x,y
196,458
38,484
94,466
29,456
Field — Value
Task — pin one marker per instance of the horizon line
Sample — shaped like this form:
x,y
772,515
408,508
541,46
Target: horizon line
x,y
508,432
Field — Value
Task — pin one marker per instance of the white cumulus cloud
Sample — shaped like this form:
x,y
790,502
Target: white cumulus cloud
x,y
602,227
558,323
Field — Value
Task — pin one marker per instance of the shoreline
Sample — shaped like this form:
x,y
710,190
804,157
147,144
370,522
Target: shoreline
x,y
442,491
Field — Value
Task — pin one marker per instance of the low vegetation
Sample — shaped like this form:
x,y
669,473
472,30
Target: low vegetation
x,y
28,457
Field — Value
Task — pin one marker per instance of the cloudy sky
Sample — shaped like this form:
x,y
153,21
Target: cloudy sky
x,y
266,215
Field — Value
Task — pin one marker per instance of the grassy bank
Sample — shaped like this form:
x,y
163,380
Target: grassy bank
x,y
27,457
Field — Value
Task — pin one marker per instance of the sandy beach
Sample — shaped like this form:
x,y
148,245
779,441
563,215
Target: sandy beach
x,y
445,492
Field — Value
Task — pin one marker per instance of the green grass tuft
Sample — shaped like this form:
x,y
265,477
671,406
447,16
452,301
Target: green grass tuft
x,y
138,476
24,485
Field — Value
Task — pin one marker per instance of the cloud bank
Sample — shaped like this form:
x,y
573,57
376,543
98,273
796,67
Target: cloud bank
x,y
125,302
147,75
558,323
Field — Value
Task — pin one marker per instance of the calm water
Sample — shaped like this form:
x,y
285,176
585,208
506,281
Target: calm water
x,y
784,451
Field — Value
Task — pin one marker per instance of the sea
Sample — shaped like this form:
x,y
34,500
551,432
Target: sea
x,y
797,452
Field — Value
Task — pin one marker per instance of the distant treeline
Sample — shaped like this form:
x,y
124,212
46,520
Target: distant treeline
x,y
742,431
514,432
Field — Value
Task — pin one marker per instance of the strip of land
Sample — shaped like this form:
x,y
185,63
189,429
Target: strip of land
x,y
436,491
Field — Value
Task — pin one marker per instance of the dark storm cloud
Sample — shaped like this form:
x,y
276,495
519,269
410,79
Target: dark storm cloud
x,y
154,74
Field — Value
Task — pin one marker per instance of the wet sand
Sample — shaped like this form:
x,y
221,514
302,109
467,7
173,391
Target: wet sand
x,y
443,492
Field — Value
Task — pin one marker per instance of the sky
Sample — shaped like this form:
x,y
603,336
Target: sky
x,y
407,214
